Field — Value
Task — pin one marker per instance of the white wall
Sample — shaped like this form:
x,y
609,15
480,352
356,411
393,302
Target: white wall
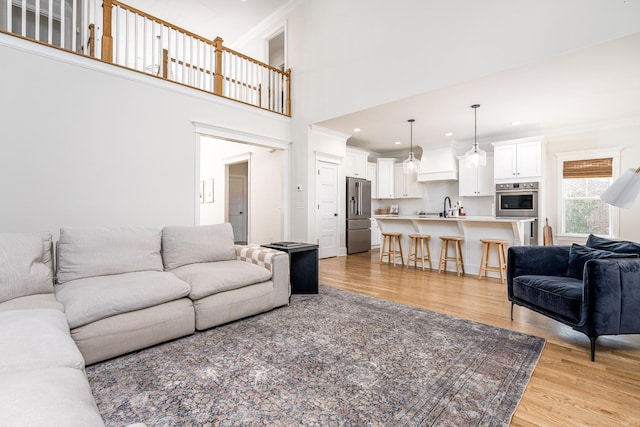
x,y
266,198
85,143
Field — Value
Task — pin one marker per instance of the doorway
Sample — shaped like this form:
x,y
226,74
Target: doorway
x,y
248,188
238,200
276,53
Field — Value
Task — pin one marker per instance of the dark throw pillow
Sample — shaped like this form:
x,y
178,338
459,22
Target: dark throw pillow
x,y
579,255
619,246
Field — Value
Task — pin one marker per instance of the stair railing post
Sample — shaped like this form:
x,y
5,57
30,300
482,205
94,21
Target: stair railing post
x,y
107,39
217,81
165,63
92,41
288,99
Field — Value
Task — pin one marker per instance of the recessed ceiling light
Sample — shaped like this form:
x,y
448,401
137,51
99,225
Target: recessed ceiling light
x,y
397,143
356,129
515,123
448,134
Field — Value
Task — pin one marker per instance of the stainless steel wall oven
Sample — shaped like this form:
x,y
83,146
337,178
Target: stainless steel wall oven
x,y
518,199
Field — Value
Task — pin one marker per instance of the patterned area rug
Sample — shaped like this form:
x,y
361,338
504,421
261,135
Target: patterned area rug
x,y
333,359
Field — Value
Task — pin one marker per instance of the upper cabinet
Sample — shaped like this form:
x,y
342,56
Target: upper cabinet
x,y
405,186
355,163
477,181
372,175
438,165
386,172
517,160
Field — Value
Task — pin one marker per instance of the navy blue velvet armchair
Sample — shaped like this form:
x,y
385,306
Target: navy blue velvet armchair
x,y
594,291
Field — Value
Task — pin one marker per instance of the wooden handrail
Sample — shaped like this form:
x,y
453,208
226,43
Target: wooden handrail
x,y
158,20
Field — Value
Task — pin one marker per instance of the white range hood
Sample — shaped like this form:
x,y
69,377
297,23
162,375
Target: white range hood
x,y
438,164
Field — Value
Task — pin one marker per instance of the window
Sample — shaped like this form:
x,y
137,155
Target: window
x,y
584,177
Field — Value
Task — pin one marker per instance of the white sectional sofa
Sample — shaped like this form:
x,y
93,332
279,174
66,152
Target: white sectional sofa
x,y
118,290
42,379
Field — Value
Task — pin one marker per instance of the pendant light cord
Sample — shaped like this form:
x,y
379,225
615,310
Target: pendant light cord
x,y
475,127
411,137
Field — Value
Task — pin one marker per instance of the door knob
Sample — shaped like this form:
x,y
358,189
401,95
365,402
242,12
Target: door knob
x,y
335,214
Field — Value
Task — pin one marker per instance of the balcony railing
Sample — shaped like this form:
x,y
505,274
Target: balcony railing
x,y
136,40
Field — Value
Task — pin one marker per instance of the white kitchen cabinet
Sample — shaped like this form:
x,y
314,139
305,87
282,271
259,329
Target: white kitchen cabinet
x,y
355,163
477,181
372,175
517,160
375,234
405,186
386,178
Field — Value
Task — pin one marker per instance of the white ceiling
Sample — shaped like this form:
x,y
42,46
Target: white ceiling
x,y
229,19
598,86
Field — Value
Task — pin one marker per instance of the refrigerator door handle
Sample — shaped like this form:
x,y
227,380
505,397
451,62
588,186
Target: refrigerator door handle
x,y
360,199
357,198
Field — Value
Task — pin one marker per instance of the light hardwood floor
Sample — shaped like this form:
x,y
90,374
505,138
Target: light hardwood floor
x,y
566,388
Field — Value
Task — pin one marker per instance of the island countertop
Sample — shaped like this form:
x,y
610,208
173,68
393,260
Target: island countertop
x,y
471,218
516,231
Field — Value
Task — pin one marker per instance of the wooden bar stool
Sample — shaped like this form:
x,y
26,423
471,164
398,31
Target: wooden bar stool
x,y
390,241
423,239
502,258
444,253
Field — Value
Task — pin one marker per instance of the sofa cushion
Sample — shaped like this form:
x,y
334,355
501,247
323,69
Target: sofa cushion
x,y
94,298
34,339
619,246
188,245
579,255
31,302
213,277
47,397
561,296
98,251
25,265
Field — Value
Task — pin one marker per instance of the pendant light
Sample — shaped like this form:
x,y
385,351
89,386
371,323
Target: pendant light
x,y
475,157
411,165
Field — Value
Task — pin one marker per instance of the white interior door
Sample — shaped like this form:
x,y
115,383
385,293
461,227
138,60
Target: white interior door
x,y
327,208
238,207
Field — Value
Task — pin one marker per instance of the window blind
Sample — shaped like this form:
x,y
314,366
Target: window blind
x,y
589,168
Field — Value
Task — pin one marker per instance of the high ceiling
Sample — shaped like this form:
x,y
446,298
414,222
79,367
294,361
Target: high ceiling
x,y
598,86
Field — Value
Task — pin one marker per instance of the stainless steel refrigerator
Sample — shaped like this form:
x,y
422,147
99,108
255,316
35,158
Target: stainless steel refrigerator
x,y
358,215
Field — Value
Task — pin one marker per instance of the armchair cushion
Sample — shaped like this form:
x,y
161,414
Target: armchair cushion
x,y
579,255
619,246
560,296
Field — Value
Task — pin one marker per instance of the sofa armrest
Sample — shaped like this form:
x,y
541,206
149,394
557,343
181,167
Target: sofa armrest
x,y
612,296
275,261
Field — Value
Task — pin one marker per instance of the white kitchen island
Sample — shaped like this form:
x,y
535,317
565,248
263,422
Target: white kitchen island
x,y
473,228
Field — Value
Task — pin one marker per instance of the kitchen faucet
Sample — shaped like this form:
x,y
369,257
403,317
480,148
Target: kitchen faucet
x,y
444,212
